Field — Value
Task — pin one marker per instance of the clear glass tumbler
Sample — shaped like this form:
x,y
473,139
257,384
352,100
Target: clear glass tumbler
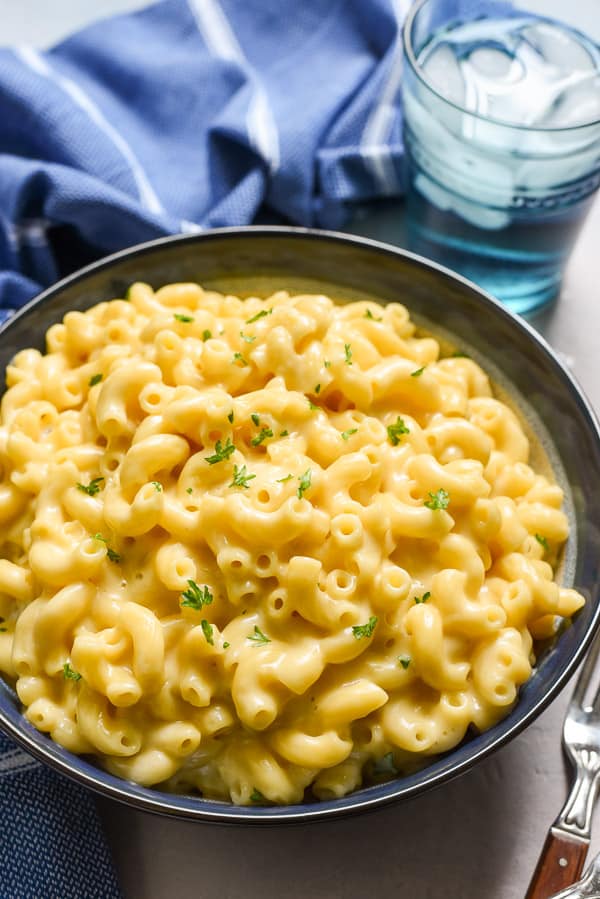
x,y
502,134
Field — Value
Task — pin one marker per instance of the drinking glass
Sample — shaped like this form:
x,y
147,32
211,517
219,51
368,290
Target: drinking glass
x,y
502,134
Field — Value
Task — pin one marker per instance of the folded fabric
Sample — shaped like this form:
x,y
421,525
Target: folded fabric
x,y
194,114
52,846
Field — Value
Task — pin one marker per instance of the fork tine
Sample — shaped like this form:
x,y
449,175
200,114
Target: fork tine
x,y
585,676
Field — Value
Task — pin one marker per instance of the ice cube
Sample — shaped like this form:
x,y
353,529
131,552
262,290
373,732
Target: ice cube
x,y
562,48
443,71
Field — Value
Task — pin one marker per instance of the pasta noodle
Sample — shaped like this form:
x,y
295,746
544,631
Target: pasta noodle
x,y
259,547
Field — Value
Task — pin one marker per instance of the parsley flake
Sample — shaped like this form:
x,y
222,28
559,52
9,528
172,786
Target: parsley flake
x,y
206,335
222,452
422,599
347,354
3,630
188,490
458,354
365,630
247,338
439,500
317,389
417,372
237,357
385,766
396,430
113,556
207,630
226,645
284,433
262,436
95,379
261,314
70,673
369,314
255,419
257,796
404,661
305,483
186,319
230,417
312,406
92,488
543,542
347,434
241,476
327,363
195,597
288,477
157,486
258,637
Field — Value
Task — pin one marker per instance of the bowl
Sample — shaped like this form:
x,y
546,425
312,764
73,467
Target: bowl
x,y
260,260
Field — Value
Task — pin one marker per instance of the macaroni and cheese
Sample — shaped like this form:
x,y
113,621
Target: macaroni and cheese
x,y
259,547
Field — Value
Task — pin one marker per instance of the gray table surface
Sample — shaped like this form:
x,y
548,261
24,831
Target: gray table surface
x,y
475,838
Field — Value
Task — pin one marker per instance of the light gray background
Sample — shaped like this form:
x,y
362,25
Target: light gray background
x,y
475,838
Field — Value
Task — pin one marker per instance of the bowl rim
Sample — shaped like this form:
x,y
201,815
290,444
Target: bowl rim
x,y
188,806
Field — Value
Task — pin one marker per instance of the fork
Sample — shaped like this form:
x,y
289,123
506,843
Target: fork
x,y
568,839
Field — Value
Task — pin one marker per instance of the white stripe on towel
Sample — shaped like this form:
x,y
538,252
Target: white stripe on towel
x,y
39,65
221,41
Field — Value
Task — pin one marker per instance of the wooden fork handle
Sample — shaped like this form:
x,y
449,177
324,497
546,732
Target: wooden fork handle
x,y
559,865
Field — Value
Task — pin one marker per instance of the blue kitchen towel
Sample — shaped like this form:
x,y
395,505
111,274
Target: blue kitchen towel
x,y
51,845
192,114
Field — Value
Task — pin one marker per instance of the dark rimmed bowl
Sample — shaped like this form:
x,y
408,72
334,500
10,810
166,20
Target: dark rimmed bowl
x,y
348,267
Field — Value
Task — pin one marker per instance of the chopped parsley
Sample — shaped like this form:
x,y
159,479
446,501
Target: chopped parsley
x,y
230,417
369,314
417,372
326,363
288,477
438,500
284,433
257,796
262,436
157,486
305,483
186,319
241,476
206,335
365,630
458,354
404,661
247,337
207,630
188,490
3,630
261,314
385,766
347,434
222,452
317,389
347,354
312,406
95,379
70,673
396,430
255,418
422,599
226,645
543,542
111,553
237,357
195,597
92,488
258,637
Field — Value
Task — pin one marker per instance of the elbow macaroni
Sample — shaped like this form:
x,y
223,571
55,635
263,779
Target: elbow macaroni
x,y
257,547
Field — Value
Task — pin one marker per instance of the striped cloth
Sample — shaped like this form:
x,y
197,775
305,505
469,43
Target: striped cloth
x,y
52,846
193,114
